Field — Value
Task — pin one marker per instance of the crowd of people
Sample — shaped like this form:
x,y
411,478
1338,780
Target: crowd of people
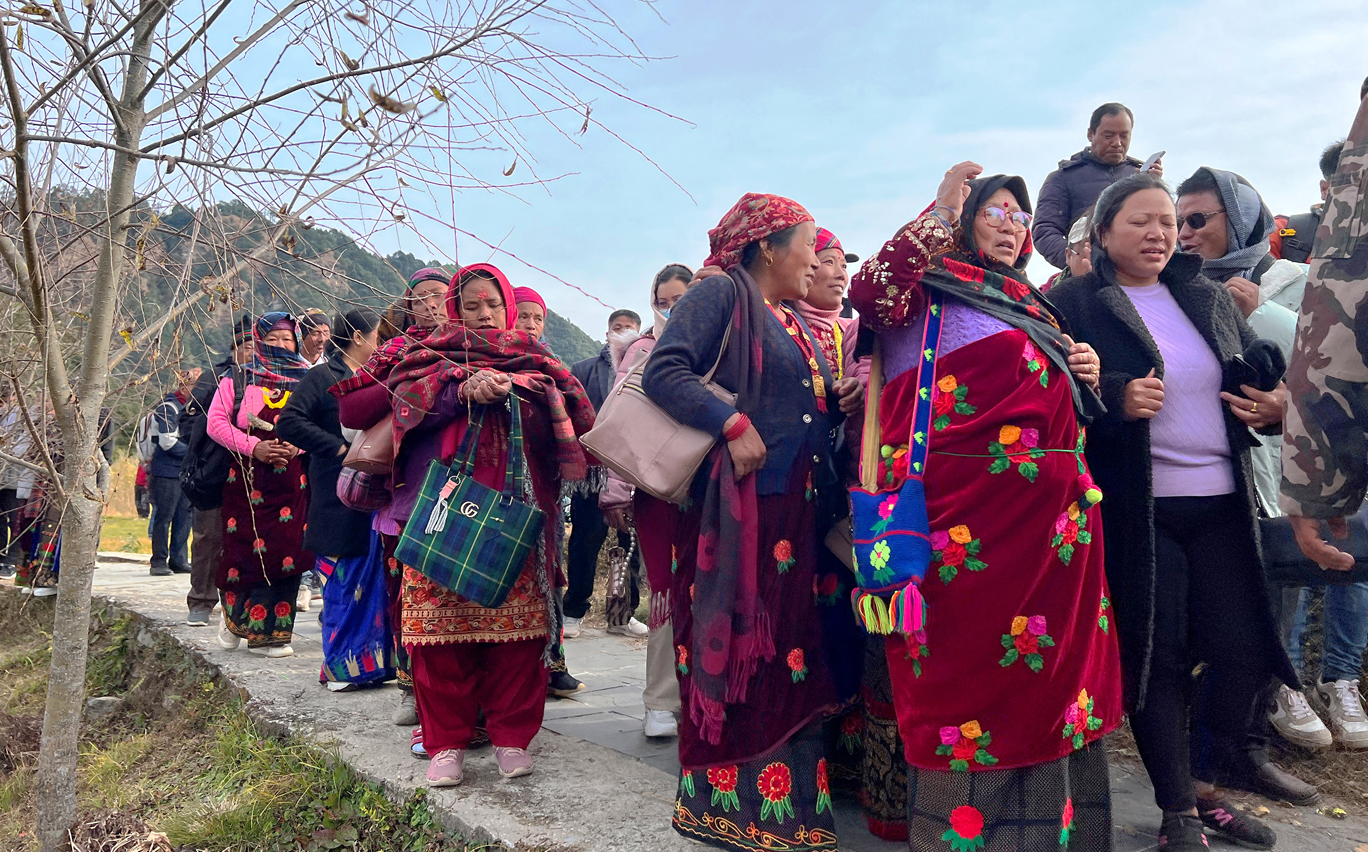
x,y
952,531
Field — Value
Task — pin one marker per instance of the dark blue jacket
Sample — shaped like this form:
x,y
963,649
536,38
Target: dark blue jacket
x,y
598,375
167,461
1067,194
786,417
309,421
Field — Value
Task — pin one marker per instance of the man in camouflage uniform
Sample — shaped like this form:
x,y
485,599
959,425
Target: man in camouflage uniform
x,y
1325,455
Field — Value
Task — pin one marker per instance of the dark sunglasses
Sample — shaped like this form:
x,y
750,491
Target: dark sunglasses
x,y
1198,221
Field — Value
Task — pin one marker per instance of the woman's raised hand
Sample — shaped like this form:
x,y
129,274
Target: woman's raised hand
x,y
1142,398
954,189
1261,409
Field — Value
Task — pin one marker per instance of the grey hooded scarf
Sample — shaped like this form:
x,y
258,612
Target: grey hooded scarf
x,y
1249,223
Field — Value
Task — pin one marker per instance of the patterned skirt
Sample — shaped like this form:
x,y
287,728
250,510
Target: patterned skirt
x,y
883,769
781,801
1049,807
357,640
262,613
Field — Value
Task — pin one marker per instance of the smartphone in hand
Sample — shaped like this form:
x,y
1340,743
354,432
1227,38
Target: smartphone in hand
x,y
1153,158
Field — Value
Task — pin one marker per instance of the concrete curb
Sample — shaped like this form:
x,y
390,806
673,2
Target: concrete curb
x,y
581,797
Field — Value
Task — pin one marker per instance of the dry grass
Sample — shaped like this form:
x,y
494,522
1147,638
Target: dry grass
x,y
180,765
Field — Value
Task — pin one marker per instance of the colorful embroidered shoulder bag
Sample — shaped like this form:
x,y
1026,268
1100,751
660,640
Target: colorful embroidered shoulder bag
x,y
892,535
468,537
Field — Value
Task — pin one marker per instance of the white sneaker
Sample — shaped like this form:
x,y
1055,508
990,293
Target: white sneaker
x,y
273,651
571,628
227,640
1294,719
1342,704
660,723
632,628
44,591
302,599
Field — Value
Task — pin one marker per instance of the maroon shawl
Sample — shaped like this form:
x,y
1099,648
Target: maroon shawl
x,y
454,352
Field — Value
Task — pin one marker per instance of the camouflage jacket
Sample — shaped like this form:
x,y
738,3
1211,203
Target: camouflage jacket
x,y
1325,454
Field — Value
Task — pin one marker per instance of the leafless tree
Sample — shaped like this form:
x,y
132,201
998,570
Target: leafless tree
x,y
116,113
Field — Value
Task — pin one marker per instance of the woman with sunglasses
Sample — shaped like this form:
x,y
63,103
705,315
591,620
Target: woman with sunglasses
x,y
1172,454
1003,694
655,522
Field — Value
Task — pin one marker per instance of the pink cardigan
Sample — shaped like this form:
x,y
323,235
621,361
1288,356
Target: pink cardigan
x,y
221,426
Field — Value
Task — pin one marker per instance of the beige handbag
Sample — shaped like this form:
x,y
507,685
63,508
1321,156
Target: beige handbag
x,y
373,450
638,441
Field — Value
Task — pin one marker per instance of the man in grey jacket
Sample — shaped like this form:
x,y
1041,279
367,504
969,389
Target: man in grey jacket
x,y
1073,188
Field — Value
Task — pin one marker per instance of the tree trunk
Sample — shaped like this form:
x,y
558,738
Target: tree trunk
x,y
83,474
57,758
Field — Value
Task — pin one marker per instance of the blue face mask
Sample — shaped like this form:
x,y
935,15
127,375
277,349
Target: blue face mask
x,y
665,313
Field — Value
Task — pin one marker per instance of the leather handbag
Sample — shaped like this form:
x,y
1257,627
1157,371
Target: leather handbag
x,y
468,537
636,439
373,450
1286,565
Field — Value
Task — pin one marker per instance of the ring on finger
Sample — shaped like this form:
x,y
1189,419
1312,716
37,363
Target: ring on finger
x,y
1254,409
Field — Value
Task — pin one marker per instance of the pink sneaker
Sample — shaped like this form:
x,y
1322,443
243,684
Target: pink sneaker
x,y
445,769
513,762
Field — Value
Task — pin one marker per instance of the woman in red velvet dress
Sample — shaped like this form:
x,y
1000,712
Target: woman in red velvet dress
x,y
1001,703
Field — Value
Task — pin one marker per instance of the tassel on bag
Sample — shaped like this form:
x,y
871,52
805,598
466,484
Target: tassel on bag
x,y
437,520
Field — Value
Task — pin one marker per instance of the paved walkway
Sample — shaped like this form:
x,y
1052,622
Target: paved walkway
x,y
600,784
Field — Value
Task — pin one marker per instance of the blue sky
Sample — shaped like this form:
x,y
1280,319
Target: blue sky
x,y
856,109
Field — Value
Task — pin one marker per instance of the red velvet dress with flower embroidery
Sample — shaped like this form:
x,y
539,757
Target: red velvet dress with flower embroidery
x,y
1020,663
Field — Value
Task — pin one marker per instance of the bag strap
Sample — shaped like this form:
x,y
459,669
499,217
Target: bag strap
x,y
513,465
926,380
463,460
726,337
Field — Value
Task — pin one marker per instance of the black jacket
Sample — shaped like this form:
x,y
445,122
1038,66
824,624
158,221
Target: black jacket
x,y
309,421
1067,194
1100,313
598,375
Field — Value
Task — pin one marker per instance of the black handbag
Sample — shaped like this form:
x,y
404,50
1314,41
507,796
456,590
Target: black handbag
x,y
1286,565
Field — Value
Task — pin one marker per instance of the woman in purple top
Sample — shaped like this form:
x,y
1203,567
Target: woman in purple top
x,y
1173,457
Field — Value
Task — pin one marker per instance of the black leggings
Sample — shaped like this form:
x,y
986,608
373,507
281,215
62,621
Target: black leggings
x,y
1208,608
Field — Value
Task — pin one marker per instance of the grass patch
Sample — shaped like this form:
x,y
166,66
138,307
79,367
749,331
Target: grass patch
x,y
182,757
125,535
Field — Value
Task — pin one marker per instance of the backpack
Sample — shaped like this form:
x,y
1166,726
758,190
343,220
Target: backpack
x,y
1298,236
204,470
145,435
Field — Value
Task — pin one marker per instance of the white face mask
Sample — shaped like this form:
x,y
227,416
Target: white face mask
x,y
622,338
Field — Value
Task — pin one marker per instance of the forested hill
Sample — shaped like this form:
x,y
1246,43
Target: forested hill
x,y
320,268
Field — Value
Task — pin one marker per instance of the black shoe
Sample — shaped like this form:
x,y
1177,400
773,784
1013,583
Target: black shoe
x,y
1270,781
563,685
7,572
160,571
1221,818
176,570
1182,833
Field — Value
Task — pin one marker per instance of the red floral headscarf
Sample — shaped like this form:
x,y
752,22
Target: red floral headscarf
x,y
752,218
501,280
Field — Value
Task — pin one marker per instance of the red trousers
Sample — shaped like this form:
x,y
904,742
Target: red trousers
x,y
453,683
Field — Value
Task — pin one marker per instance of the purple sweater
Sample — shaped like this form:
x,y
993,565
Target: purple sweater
x,y
1188,443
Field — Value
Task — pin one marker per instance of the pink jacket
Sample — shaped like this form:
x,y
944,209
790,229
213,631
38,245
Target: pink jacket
x,y
221,426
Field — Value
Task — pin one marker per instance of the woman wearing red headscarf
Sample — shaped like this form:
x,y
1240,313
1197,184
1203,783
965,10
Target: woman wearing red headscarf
x,y
754,678
467,658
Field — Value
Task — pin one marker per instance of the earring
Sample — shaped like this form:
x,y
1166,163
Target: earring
x,y
769,260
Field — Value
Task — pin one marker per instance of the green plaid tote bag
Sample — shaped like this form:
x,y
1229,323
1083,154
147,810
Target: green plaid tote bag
x,y
468,537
